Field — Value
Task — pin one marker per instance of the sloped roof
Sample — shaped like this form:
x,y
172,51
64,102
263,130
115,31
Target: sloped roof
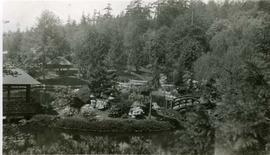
x,y
20,78
60,61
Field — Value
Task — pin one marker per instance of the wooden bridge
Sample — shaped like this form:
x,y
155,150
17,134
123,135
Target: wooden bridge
x,y
185,102
181,104
188,102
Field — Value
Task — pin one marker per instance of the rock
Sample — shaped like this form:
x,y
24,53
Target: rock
x,y
23,121
68,111
137,104
93,103
75,91
83,94
80,97
155,106
76,103
101,104
136,112
111,98
87,110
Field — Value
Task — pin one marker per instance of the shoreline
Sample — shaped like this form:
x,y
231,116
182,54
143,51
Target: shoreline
x,y
100,126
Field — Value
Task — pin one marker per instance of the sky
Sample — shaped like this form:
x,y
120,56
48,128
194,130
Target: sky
x,y
23,14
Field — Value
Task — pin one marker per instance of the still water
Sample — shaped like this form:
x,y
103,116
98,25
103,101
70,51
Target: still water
x,y
19,140
29,140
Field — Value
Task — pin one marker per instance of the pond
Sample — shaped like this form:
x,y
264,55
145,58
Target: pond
x,y
25,140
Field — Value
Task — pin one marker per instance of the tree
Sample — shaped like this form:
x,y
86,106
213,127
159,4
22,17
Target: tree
x,y
137,24
51,41
91,50
108,10
241,115
155,50
12,43
167,10
102,82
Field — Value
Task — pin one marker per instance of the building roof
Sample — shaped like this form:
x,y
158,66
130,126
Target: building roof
x,y
18,77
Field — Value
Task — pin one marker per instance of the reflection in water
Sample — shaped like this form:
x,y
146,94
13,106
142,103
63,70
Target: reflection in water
x,y
48,141
25,140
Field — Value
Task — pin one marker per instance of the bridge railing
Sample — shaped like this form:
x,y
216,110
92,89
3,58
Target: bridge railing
x,y
184,102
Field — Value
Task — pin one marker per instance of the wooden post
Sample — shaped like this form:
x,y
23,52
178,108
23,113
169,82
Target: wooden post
x,y
28,97
44,93
164,94
150,108
40,96
8,93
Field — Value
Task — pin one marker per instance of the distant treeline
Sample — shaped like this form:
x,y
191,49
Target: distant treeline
x,y
168,36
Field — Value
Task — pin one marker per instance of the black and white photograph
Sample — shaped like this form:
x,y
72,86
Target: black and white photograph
x,y
157,77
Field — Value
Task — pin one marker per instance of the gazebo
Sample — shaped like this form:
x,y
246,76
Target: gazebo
x,y
62,66
59,63
17,92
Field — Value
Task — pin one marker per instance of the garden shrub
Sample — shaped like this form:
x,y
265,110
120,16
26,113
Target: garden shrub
x,y
42,120
44,100
109,125
115,112
121,105
68,111
64,102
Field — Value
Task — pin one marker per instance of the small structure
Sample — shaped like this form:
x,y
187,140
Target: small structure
x,y
17,92
60,63
5,56
62,66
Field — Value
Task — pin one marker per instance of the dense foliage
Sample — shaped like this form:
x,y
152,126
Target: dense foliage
x,y
225,46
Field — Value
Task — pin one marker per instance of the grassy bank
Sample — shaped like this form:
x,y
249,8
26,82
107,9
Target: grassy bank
x,y
106,125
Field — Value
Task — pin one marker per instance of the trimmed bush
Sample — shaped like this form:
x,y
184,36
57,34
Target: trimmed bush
x,y
115,125
108,125
42,120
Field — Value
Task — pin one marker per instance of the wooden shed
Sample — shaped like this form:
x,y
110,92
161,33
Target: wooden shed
x,y
17,92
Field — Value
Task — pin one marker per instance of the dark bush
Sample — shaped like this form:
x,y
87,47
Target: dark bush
x,y
68,81
115,112
43,120
109,125
83,94
114,125
121,105
160,100
43,99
